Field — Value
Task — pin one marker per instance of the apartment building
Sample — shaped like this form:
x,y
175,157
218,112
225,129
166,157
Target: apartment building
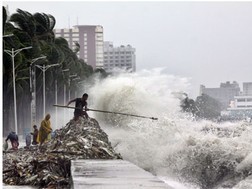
x,y
90,39
119,58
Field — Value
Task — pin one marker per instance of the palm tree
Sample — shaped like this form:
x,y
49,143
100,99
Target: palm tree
x,y
44,26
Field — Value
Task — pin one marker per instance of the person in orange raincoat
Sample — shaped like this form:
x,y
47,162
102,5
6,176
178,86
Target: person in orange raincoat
x,y
44,130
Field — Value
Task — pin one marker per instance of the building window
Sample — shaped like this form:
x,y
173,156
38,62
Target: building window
x,y
75,34
241,100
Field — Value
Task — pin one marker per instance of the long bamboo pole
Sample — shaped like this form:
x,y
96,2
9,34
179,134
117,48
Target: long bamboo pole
x,y
102,111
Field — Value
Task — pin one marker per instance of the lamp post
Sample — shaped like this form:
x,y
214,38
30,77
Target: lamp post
x,y
8,35
43,69
69,91
13,53
33,89
65,70
77,78
69,82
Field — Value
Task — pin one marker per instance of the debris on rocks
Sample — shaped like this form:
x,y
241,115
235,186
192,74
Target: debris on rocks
x,y
49,166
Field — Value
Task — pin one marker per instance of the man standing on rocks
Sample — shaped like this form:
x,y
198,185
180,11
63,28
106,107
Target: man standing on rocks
x,y
79,104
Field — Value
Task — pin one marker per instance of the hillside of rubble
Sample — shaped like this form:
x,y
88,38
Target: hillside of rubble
x,y
50,166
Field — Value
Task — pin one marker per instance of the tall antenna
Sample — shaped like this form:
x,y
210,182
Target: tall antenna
x,y
68,22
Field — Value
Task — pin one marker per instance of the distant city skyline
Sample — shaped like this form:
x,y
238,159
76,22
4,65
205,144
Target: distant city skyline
x,y
207,42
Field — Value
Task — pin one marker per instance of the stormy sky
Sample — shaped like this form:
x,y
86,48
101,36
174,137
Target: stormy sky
x,y
207,42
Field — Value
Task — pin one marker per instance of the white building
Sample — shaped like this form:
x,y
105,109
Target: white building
x,y
241,103
122,57
241,106
90,39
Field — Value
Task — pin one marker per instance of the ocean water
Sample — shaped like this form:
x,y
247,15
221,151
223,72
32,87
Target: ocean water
x,y
185,153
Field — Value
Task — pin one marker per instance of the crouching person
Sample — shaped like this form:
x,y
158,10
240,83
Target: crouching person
x,y
13,137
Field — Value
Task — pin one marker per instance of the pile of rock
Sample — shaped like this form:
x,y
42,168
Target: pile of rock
x,y
50,165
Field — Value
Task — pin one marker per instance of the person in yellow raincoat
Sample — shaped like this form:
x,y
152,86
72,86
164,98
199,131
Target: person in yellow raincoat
x,y
44,130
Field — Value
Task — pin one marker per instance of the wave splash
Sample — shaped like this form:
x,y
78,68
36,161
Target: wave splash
x,y
202,154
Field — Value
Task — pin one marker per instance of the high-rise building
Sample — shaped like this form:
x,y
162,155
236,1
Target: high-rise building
x,y
224,94
122,57
90,40
247,88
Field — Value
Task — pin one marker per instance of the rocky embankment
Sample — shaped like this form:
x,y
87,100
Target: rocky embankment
x,y
49,167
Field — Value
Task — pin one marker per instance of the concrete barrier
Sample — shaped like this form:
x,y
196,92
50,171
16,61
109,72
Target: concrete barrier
x,y
112,174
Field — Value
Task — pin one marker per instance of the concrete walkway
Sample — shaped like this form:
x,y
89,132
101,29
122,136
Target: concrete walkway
x,y
112,174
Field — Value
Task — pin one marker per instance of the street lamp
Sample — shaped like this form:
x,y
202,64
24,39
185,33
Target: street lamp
x,y
13,53
43,69
33,89
65,70
77,78
9,35
69,91
69,83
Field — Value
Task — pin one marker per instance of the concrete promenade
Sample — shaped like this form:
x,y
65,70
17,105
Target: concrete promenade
x,y
108,174
112,174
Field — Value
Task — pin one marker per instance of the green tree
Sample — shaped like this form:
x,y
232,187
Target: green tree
x,y
188,105
209,107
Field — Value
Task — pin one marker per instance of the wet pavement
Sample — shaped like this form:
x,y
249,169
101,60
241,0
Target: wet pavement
x,y
112,174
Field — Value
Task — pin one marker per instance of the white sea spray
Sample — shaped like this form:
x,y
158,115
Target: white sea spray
x,y
203,153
